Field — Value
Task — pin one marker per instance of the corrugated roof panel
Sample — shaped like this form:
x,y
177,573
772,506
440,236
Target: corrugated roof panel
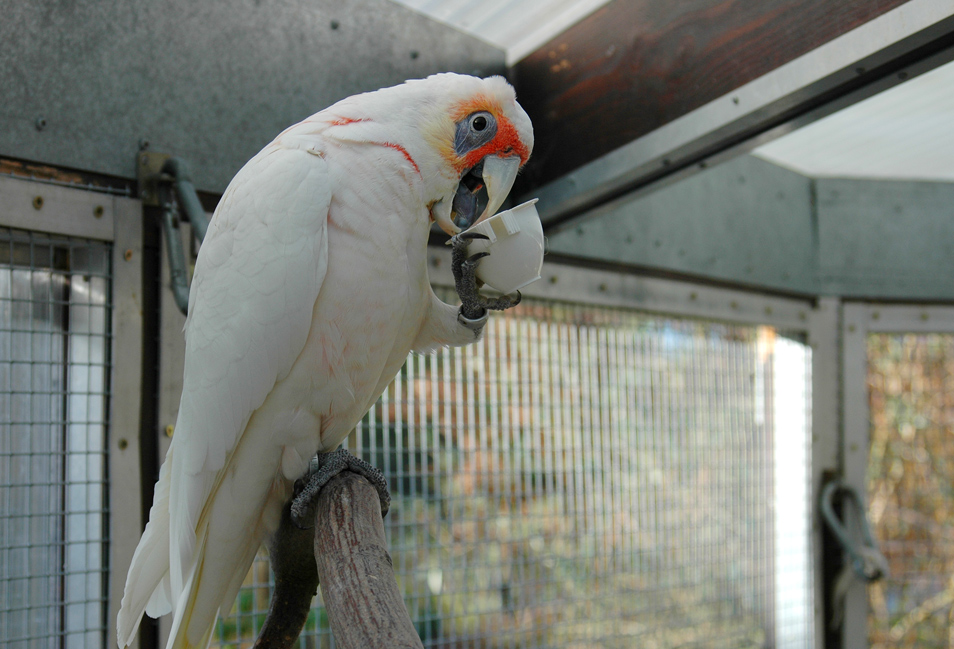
x,y
517,27
904,133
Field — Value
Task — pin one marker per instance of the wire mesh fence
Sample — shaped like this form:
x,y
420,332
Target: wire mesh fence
x,y
589,477
911,489
54,342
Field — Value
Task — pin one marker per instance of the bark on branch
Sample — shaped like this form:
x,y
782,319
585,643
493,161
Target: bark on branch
x,y
348,552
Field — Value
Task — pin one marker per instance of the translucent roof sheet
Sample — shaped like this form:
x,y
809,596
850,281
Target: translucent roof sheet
x,y
517,27
904,133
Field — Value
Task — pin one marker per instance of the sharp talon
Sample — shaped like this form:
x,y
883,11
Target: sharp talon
x,y
464,268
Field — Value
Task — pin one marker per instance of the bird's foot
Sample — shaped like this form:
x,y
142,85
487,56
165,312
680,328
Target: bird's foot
x,y
324,468
474,306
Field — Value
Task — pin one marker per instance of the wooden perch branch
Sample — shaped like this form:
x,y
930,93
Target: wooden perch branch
x,y
361,596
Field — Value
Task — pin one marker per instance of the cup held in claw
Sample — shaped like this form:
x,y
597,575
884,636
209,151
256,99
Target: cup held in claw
x,y
516,246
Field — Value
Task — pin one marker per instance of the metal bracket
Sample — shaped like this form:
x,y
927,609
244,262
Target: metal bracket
x,y
164,181
148,174
866,560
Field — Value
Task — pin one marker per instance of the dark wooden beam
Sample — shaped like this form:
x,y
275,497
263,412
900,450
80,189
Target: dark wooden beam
x,y
635,65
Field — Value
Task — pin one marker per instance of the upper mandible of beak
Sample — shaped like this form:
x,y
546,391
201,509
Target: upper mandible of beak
x,y
499,174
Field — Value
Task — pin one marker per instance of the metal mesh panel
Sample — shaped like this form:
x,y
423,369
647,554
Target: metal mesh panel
x,y
590,477
911,488
53,396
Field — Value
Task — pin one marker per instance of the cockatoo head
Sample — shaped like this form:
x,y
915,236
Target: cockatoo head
x,y
457,133
483,137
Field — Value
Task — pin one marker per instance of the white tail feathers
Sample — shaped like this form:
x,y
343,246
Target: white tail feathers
x,y
185,606
148,588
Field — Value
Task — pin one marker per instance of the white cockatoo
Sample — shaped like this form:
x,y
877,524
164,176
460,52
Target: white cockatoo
x,y
310,290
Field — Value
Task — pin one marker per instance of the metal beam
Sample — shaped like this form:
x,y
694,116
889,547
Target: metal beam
x,y
636,65
904,42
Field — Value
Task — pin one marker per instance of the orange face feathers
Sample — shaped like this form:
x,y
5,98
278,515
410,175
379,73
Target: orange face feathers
x,y
506,141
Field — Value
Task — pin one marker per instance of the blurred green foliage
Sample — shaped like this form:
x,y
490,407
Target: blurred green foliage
x,y
911,489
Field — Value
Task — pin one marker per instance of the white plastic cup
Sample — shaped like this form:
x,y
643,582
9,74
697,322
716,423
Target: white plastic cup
x,y
516,246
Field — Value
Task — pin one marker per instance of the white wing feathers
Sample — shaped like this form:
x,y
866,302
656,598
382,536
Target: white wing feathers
x,y
147,582
250,310
242,336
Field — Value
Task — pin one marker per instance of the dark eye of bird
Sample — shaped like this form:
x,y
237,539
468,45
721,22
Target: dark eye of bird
x,y
474,131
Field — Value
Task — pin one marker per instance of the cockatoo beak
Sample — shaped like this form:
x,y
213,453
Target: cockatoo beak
x,y
441,213
499,174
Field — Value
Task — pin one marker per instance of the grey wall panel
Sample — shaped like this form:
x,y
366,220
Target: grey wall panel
x,y
744,221
886,238
750,222
211,81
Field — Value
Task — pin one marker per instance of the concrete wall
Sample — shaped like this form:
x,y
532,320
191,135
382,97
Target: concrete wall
x,y
210,81
752,223
886,238
746,221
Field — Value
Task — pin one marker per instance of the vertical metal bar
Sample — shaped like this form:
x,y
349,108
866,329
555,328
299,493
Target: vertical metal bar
x,y
640,456
660,506
125,519
824,335
609,469
764,352
643,458
629,439
742,429
705,441
855,332
610,473
465,453
485,422
386,402
681,453
723,494
601,499
468,371
492,432
408,438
